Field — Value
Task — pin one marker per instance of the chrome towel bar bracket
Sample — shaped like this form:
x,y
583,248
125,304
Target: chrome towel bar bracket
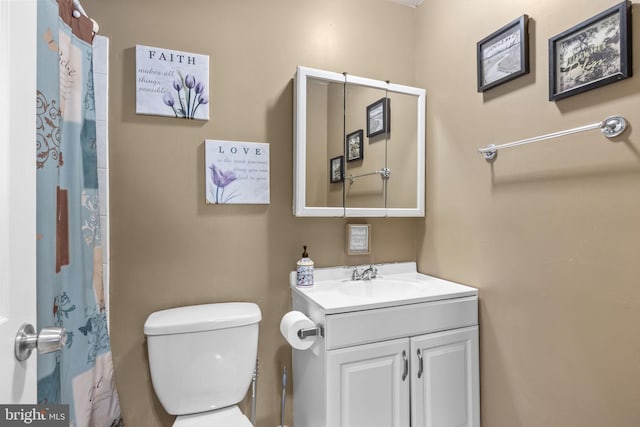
x,y
611,127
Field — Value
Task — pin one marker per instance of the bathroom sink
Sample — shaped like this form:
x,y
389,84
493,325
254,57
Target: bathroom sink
x,y
396,284
380,288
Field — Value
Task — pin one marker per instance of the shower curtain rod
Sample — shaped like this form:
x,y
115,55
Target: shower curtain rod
x,y
80,10
611,127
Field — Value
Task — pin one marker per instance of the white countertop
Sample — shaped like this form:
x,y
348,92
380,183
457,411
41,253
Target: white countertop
x,y
396,284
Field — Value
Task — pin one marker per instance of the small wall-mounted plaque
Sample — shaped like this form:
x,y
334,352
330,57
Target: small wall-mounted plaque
x,y
358,239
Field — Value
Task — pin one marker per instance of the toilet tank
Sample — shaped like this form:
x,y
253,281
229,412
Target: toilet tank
x,y
202,357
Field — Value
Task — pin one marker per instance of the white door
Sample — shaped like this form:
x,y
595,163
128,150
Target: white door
x,y
445,379
17,194
368,385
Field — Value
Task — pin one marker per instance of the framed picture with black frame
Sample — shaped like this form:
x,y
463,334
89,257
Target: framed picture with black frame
x,y
336,169
592,54
379,117
504,54
354,142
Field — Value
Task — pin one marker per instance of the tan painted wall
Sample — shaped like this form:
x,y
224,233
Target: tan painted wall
x,y
167,247
549,233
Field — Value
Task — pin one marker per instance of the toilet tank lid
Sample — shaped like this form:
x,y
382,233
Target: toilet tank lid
x,y
204,317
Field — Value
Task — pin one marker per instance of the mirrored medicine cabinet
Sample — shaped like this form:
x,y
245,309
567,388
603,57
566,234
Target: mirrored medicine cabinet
x,y
359,146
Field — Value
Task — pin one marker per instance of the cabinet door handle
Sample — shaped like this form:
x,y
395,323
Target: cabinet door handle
x,y
406,365
420,364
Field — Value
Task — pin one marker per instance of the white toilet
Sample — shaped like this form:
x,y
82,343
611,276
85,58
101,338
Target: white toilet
x,y
202,359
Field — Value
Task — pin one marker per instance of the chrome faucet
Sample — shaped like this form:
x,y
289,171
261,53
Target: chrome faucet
x,y
367,274
370,273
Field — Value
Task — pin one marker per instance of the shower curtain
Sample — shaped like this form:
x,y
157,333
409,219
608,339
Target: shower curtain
x,y
69,253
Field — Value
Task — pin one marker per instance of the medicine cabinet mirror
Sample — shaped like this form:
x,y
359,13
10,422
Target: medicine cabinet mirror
x,y
359,146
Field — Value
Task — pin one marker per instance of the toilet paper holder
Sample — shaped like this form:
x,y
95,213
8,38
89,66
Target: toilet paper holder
x,y
311,332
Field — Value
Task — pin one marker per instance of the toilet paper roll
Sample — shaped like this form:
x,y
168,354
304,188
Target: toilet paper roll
x,y
290,324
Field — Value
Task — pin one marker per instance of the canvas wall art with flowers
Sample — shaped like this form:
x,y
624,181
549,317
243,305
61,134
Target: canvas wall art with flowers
x,y
236,172
172,83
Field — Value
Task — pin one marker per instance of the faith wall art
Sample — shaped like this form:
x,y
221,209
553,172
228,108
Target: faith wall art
x,y
172,83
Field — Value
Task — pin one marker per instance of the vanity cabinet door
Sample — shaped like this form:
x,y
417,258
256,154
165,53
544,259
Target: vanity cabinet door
x,y
445,387
368,385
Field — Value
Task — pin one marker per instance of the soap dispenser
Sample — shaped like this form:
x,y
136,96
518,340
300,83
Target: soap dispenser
x,y
304,271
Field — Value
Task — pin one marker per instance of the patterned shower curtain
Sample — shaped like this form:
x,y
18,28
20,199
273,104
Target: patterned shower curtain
x,y
69,252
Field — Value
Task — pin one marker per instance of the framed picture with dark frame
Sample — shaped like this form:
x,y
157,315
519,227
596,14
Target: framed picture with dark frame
x,y
504,54
354,142
378,117
594,53
336,169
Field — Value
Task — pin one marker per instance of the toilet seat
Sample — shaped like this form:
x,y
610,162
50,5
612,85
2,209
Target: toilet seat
x,y
226,417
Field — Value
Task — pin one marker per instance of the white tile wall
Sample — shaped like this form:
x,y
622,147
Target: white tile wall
x,y
101,87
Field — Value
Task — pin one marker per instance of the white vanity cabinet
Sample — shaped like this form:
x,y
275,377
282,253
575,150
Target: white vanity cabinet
x,y
445,383
368,385
389,362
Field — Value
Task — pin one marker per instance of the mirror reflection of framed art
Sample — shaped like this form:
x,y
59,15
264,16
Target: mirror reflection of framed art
x,y
378,115
336,169
355,145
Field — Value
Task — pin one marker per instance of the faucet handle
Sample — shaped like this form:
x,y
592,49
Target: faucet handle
x,y
374,271
356,274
